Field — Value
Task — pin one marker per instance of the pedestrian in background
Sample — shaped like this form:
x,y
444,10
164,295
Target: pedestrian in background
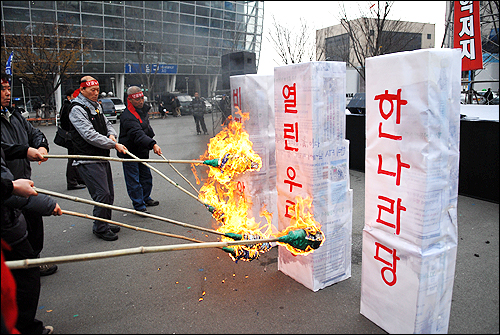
x,y
197,107
177,106
93,135
73,179
137,135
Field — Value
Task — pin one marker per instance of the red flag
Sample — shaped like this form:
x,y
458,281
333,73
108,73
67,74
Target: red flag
x,y
467,34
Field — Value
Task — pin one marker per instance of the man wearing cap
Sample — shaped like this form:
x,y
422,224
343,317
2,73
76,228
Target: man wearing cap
x,y
137,135
73,179
93,135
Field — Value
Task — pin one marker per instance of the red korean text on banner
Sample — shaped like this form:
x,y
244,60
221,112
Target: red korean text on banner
x,y
467,34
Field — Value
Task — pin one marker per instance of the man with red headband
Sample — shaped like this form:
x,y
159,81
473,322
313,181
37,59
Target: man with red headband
x,y
93,135
136,133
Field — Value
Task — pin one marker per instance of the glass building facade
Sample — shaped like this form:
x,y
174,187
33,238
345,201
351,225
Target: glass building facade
x,y
180,42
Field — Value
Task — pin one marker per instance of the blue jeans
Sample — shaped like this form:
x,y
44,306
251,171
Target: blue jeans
x,y
139,183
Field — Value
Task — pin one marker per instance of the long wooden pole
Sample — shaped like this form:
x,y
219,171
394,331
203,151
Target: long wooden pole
x,y
32,262
168,179
90,202
124,225
117,159
180,174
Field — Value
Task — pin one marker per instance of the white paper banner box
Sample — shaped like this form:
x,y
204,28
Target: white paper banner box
x,y
312,161
411,189
254,94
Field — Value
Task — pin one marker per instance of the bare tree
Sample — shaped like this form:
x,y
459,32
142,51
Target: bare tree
x,y
44,56
292,46
370,35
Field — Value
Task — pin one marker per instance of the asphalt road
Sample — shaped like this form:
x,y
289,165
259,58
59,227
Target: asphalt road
x,y
160,292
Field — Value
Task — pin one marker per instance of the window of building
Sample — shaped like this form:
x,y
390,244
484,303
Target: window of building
x,y
153,4
170,17
202,11
134,12
170,5
93,67
215,33
187,40
187,19
92,7
16,14
429,36
114,45
113,10
202,21
113,34
133,24
216,13
92,32
113,22
43,16
214,23
114,67
153,14
68,18
187,8
73,6
186,30
201,51
91,20
186,49
201,31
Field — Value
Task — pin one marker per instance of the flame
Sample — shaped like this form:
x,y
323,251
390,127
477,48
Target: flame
x,y
233,148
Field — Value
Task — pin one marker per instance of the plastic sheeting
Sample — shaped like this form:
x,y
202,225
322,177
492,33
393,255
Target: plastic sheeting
x,y
411,188
312,160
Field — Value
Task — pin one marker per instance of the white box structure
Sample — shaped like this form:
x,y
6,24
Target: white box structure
x,y
312,160
253,94
411,189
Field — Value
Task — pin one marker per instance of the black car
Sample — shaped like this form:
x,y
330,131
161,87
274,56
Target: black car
x,y
109,109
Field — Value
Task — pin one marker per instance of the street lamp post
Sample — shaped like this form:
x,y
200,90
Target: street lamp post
x,y
113,85
187,84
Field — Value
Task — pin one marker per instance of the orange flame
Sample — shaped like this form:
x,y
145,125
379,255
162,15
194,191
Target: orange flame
x,y
233,148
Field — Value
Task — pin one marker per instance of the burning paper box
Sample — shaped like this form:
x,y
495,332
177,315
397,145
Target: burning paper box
x,y
312,161
411,172
253,94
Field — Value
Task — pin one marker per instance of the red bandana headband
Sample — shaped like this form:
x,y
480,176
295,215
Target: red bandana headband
x,y
5,81
136,95
89,83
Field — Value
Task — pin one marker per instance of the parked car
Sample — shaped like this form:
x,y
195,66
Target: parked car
x,y
208,105
109,109
119,105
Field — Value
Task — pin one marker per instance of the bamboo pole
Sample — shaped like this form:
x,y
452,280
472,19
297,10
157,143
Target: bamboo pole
x,y
90,202
124,225
32,262
168,179
117,159
182,176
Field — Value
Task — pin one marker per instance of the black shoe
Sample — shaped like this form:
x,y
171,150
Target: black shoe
x,y
152,202
114,229
199,133
47,270
108,235
144,210
206,133
76,187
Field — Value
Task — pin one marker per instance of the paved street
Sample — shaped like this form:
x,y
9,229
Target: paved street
x,y
160,292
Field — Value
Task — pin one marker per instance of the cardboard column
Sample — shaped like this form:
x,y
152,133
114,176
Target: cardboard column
x,y
411,189
312,161
253,94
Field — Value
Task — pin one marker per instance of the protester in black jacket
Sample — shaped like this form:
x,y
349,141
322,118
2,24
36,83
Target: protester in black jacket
x,y
197,107
73,179
137,135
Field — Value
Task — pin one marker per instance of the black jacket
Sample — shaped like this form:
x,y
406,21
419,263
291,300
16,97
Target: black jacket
x,y
18,135
13,225
136,136
197,107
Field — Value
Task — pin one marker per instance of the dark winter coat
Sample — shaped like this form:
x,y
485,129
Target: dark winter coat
x,y
135,135
17,136
13,225
197,107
